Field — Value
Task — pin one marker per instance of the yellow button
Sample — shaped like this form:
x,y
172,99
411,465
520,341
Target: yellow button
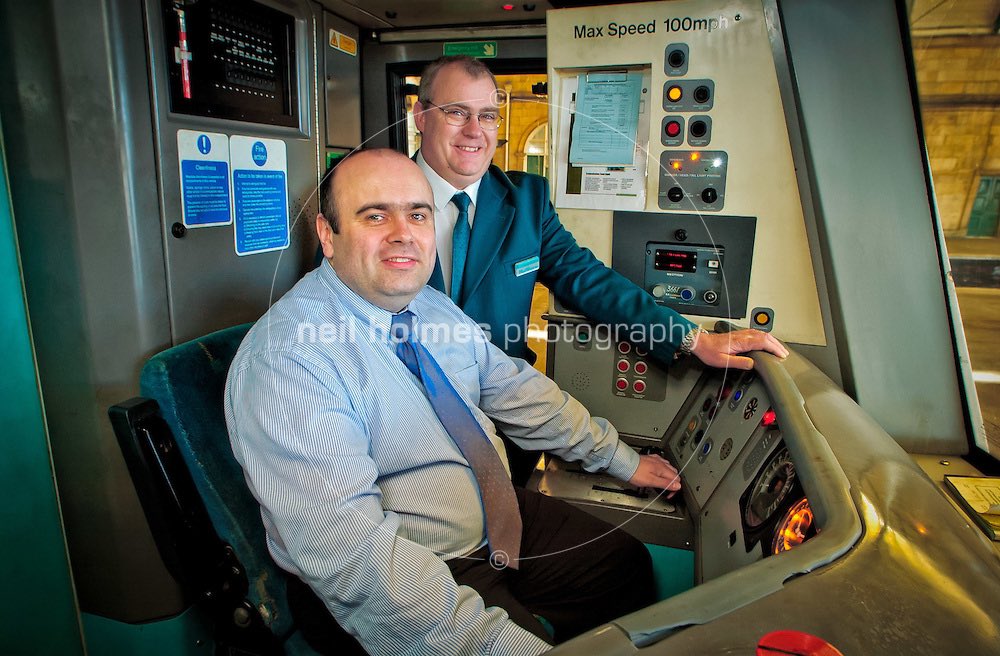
x,y
762,319
674,94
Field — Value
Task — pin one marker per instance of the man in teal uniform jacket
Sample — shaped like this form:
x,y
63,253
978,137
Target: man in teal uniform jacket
x,y
516,236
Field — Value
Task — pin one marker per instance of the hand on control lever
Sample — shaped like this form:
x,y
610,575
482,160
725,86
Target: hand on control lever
x,y
722,349
656,472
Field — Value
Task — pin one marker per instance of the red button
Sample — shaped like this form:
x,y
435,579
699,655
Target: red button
x,y
621,384
624,347
641,368
673,128
639,386
623,366
795,642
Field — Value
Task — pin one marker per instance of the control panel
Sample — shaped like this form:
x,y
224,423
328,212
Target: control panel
x,y
634,375
693,179
231,60
741,491
689,179
712,143
739,478
615,378
730,408
684,275
687,95
695,264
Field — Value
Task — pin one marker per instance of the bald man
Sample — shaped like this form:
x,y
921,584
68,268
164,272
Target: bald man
x,y
388,515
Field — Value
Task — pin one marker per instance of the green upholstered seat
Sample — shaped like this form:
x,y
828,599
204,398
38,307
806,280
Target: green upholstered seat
x,y
188,381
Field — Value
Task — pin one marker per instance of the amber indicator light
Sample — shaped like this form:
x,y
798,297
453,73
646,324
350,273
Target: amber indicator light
x,y
795,527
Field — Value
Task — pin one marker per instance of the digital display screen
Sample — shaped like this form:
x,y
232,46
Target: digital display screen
x,y
673,260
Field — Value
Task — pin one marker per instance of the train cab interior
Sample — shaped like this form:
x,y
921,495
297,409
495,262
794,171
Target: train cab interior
x,y
747,163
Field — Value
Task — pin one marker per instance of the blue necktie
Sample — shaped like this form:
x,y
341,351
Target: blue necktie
x,y
459,243
503,520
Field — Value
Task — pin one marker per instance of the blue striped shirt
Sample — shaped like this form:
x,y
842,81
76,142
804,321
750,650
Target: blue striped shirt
x,y
363,494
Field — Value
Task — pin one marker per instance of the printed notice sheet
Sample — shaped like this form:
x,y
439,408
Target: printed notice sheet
x,y
607,113
600,186
203,158
260,194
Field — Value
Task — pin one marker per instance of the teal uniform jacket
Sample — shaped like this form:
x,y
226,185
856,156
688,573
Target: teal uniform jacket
x,y
516,239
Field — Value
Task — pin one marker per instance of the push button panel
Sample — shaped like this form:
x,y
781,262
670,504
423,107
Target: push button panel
x,y
633,375
721,416
693,179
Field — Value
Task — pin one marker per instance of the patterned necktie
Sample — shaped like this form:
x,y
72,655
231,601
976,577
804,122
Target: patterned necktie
x,y
459,243
503,520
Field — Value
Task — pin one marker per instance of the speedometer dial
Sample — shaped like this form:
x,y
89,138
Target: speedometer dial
x,y
771,488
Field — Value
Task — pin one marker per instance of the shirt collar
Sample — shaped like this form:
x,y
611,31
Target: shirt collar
x,y
443,191
378,318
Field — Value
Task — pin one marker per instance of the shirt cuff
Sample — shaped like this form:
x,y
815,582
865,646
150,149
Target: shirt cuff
x,y
624,463
516,641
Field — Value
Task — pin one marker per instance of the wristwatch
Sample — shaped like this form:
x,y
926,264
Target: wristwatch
x,y
690,340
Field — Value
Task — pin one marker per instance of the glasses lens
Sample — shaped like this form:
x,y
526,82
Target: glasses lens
x,y
487,121
456,117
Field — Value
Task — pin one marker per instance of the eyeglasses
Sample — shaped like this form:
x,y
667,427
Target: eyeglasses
x,y
458,117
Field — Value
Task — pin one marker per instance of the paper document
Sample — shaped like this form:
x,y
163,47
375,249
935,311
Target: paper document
x,y
599,186
607,113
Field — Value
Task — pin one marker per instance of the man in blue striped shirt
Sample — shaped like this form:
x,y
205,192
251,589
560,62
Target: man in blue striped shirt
x,y
364,495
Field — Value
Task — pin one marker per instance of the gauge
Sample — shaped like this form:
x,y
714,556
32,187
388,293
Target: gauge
x,y
770,489
794,528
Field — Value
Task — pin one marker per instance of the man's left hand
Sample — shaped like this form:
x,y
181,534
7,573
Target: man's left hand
x,y
722,349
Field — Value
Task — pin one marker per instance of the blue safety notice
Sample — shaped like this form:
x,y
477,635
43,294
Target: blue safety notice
x,y
205,190
261,210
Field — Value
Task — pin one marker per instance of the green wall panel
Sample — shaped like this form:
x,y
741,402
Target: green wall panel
x,y
188,634
673,570
38,612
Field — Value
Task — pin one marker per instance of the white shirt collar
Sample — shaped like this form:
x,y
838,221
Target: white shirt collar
x,y
443,191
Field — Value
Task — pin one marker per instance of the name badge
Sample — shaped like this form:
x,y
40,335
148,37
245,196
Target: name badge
x,y
526,266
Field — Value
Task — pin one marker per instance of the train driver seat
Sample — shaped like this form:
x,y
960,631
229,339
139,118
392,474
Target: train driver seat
x,y
204,519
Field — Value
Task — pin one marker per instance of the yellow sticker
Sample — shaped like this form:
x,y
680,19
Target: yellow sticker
x,y
343,43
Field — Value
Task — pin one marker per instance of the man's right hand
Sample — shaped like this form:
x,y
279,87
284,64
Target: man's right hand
x,y
656,472
723,349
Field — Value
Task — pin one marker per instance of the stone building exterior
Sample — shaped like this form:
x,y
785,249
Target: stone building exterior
x,y
958,81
